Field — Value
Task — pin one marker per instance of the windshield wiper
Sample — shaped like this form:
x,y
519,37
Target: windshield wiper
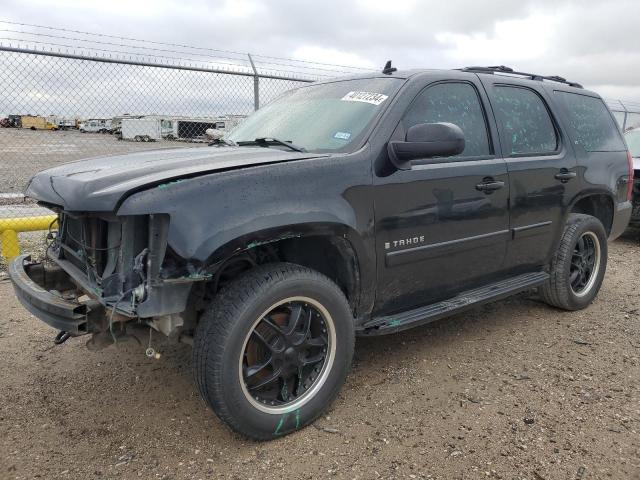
x,y
265,141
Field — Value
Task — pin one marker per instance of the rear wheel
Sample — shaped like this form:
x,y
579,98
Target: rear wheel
x,y
579,265
274,348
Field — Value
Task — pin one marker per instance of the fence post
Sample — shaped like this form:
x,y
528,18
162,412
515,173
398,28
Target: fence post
x,y
256,84
10,247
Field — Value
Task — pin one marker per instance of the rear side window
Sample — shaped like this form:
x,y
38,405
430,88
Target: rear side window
x,y
591,122
456,103
525,121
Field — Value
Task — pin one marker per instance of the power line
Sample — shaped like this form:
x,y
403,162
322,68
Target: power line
x,y
175,44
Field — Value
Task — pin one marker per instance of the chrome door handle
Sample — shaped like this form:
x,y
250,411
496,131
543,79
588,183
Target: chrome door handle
x,y
565,175
490,186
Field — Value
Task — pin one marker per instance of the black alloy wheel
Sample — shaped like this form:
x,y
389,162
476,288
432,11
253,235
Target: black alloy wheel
x,y
285,354
585,262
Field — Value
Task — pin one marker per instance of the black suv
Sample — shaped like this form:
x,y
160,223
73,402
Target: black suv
x,y
358,206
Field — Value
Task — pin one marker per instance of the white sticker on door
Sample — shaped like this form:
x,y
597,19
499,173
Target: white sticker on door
x,y
366,97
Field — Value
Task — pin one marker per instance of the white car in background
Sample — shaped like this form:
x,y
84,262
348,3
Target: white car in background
x,y
95,126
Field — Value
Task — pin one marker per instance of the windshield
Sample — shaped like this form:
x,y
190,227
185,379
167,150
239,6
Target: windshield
x,y
633,140
321,118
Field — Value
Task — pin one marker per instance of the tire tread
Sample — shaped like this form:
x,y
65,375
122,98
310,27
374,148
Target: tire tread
x,y
556,292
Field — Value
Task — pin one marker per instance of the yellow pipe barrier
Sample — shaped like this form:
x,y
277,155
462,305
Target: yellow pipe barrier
x,y
9,228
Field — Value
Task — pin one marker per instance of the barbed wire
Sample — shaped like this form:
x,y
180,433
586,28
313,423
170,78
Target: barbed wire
x,y
131,39
75,39
178,60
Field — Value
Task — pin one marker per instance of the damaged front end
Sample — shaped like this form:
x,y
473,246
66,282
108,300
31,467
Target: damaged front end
x,y
109,276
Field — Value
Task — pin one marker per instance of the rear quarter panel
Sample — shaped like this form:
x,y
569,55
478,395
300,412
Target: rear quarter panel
x,y
600,172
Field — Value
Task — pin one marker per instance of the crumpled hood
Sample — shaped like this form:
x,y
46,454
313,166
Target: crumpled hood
x,y
98,184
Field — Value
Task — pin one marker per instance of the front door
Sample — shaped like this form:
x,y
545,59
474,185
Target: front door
x,y
443,226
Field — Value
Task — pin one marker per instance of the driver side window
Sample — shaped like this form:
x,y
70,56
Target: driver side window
x,y
456,103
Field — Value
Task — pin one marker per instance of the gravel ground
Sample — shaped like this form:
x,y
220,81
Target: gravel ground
x,y
512,390
24,152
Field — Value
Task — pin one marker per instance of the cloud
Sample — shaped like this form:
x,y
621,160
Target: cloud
x,y
331,56
588,41
509,41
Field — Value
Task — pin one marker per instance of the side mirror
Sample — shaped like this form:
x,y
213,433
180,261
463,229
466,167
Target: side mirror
x,y
426,140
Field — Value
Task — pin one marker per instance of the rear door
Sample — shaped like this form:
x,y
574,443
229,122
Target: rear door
x,y
542,169
438,229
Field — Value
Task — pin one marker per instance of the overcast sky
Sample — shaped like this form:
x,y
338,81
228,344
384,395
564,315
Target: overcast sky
x,y
595,43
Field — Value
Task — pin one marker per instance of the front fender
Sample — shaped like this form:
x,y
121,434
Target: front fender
x,y
211,211
216,214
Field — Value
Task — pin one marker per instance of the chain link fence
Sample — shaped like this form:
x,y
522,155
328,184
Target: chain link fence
x,y
58,107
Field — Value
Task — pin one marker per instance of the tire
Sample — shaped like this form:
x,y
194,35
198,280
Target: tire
x,y
225,336
566,287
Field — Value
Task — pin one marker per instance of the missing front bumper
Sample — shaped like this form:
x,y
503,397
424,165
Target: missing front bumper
x,y
41,289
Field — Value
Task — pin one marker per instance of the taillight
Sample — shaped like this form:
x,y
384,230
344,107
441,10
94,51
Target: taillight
x,y
630,180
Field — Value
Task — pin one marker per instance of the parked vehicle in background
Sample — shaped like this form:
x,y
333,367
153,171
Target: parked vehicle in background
x,y
360,206
37,123
145,129
67,123
95,126
190,128
227,123
15,121
116,123
632,137
153,127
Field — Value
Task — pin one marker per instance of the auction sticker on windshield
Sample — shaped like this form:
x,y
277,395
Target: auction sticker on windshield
x,y
342,135
366,97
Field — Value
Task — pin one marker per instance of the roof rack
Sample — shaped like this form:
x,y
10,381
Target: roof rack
x,y
511,71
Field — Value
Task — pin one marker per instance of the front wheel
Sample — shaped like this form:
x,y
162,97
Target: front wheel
x,y
273,349
579,265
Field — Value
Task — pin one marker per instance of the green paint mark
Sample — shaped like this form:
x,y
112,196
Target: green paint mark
x,y
168,184
395,323
297,419
280,424
266,242
199,276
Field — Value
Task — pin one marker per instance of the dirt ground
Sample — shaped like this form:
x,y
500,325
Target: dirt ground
x,y
512,390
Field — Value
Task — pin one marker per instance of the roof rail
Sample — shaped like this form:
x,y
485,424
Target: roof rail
x,y
511,71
